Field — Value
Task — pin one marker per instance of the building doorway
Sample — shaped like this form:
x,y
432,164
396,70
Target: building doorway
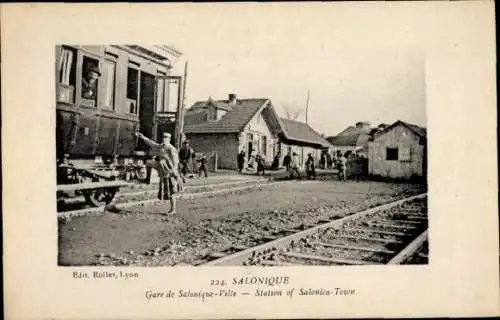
x,y
147,107
250,145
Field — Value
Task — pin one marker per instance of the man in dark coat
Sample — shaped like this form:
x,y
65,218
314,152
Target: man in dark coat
x,y
260,164
276,161
241,161
185,157
287,161
89,83
310,168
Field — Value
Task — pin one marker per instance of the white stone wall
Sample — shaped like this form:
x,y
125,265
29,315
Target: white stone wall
x,y
409,149
259,129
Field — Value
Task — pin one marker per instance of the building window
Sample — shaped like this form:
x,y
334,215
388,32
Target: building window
x,y
132,89
110,78
391,154
212,113
67,75
161,92
90,76
264,145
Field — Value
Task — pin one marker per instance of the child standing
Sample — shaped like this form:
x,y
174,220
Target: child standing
x,y
203,166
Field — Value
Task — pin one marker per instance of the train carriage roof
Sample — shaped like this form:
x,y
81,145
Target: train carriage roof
x,y
159,52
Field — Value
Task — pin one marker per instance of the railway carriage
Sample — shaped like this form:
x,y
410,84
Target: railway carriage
x,y
104,95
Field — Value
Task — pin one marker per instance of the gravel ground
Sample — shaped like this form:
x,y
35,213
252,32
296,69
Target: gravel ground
x,y
143,236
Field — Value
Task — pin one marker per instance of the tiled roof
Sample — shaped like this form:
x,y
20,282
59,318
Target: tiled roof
x,y
357,139
221,104
348,131
196,117
299,131
233,121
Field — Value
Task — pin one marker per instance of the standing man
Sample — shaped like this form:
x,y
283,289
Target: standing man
x,y
167,164
287,161
185,156
342,167
310,169
241,161
260,164
294,166
276,161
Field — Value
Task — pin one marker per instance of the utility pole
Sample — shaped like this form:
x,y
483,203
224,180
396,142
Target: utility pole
x,y
307,107
180,110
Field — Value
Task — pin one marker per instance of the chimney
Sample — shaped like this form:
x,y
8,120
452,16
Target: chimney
x,y
232,98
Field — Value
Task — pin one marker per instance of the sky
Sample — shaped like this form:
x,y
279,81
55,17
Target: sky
x,y
349,80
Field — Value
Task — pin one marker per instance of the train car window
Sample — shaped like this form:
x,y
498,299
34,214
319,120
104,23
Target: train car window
x,y
110,78
161,92
67,75
90,76
132,89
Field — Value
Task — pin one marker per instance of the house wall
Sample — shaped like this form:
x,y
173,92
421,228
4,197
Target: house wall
x,y
258,128
408,145
225,145
301,152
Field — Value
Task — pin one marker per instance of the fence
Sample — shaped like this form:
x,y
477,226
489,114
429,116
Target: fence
x,y
357,167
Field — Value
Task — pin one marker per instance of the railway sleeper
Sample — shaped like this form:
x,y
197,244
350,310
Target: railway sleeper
x,y
272,263
324,259
371,239
389,233
414,210
350,247
415,217
410,222
388,225
414,206
415,213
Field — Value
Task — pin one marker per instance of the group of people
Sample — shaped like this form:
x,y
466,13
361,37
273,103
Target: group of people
x,y
292,164
254,162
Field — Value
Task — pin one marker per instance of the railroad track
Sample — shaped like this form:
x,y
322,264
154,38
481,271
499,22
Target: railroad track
x,y
126,200
392,233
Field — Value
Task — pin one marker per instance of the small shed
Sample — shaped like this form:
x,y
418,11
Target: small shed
x,y
399,152
302,139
